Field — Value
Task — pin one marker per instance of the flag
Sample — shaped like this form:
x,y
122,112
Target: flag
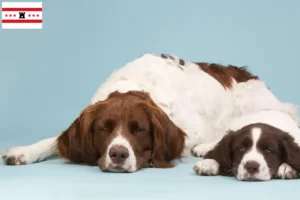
x,y
22,15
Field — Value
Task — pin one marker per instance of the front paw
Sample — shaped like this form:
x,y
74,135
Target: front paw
x,y
18,156
286,172
208,167
201,150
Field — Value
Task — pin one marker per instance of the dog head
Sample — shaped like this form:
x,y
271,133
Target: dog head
x,y
123,133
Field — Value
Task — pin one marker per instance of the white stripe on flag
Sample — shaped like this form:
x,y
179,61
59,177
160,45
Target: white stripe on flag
x,y
21,4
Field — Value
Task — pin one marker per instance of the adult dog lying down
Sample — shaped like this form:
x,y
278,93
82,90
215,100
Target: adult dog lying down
x,y
153,110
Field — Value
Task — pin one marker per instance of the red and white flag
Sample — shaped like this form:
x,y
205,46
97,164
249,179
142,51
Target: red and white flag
x,y
22,15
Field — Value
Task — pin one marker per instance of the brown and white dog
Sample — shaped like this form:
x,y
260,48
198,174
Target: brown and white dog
x,y
153,110
258,146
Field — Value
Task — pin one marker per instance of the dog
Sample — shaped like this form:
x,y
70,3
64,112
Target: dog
x,y
153,110
257,147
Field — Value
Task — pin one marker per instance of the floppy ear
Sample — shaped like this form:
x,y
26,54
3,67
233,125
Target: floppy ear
x,y
222,153
168,139
291,152
75,143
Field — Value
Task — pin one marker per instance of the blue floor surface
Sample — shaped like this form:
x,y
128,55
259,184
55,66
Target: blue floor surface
x,y
53,179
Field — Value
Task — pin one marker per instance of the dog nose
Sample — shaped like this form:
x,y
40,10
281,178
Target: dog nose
x,y
118,153
252,167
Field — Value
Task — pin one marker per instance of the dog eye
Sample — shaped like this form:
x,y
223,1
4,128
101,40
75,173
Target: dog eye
x,y
106,126
241,149
135,127
269,150
139,130
103,129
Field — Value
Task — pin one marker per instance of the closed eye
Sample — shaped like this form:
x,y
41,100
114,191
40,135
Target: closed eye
x,y
138,130
135,127
106,125
103,129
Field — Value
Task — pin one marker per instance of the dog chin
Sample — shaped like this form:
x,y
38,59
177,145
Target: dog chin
x,y
119,169
116,170
249,177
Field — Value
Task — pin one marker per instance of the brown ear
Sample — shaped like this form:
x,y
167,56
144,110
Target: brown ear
x,y
222,154
291,152
75,143
168,139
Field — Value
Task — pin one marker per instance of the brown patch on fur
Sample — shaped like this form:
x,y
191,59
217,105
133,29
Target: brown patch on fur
x,y
181,62
171,57
224,75
164,56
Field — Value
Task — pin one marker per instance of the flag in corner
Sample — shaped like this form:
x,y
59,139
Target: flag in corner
x,y
22,15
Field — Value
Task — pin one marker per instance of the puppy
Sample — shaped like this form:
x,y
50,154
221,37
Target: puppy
x,y
257,147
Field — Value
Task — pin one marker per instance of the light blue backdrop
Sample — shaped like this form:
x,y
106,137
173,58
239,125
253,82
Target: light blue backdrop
x,y
47,76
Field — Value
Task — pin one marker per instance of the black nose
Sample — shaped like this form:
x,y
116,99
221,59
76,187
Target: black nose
x,y
252,167
118,154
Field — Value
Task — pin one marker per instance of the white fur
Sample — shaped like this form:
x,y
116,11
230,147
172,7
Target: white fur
x,y
203,149
194,100
130,163
254,155
207,167
286,172
280,120
32,153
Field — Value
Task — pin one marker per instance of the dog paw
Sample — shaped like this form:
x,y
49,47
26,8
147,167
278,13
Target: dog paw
x,y
201,150
208,167
18,156
286,172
